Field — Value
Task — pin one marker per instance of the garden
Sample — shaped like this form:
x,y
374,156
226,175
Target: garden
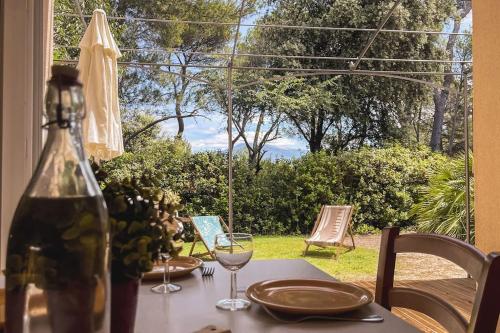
x,y
413,188
391,148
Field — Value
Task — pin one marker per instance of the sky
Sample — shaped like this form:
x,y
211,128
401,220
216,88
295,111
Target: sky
x,y
210,134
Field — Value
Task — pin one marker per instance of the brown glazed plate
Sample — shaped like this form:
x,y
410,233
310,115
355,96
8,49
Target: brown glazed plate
x,y
309,296
178,267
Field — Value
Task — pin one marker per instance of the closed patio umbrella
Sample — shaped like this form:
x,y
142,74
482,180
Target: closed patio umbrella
x,y
102,131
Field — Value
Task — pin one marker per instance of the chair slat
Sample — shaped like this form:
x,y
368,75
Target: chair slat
x,y
456,251
485,270
430,305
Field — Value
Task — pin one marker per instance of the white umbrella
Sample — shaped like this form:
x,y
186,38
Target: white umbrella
x,y
102,131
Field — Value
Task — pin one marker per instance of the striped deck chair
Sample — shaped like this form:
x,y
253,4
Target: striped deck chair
x,y
331,227
206,228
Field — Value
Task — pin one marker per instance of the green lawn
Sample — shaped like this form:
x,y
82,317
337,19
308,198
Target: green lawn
x,y
358,264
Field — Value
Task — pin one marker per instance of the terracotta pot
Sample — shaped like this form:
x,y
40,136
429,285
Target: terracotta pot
x,y
124,305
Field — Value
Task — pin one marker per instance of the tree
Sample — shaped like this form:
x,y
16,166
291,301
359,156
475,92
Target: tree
x,y
135,121
351,111
138,88
254,113
184,45
441,95
454,125
307,106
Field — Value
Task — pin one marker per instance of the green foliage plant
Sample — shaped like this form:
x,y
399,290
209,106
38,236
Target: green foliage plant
x,y
142,224
442,207
383,183
285,196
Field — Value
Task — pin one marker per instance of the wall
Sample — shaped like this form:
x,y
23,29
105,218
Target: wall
x,y
486,50
1,111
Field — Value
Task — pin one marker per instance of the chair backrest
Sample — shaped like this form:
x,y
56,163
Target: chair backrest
x,y
332,223
208,227
485,270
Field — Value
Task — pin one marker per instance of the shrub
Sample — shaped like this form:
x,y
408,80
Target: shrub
x,y
442,206
285,196
383,183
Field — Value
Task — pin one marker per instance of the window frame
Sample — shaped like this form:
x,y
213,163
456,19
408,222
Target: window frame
x,y
24,54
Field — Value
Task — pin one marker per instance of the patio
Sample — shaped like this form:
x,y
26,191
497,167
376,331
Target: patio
x,y
459,292
419,271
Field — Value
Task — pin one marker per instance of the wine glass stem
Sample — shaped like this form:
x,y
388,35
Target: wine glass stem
x,y
233,294
167,271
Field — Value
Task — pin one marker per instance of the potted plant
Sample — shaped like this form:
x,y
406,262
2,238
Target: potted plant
x,y
142,227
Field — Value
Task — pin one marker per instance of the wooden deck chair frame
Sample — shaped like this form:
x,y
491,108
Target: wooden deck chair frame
x,y
348,229
197,238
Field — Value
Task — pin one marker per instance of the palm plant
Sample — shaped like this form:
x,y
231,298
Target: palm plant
x,y
442,206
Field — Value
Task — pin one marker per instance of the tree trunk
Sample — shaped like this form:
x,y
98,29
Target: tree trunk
x,y
255,151
315,144
179,98
441,96
440,99
316,133
417,125
178,113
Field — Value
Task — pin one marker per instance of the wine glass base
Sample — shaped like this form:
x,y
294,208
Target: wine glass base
x,y
235,304
166,288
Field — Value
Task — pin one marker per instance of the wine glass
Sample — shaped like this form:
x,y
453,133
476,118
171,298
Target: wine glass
x,y
233,251
166,287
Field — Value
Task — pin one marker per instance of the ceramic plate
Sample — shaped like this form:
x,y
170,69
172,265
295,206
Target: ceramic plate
x,y
179,266
309,296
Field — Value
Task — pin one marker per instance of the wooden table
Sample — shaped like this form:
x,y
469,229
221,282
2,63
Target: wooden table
x,y
194,306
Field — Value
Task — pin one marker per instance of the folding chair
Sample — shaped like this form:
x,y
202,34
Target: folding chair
x,y
331,227
206,228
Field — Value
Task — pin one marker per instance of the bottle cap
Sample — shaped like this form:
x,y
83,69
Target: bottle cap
x,y
68,75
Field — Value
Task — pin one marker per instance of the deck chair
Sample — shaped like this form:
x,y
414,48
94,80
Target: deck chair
x,y
331,227
206,228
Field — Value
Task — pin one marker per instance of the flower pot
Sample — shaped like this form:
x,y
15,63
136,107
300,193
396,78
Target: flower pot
x,y
124,305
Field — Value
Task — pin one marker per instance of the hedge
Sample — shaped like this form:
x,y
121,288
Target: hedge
x,y
285,196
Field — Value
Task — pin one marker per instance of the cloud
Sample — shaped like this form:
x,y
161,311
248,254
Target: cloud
x,y
210,134
289,143
210,142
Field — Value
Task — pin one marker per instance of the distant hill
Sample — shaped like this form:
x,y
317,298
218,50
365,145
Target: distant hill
x,y
273,152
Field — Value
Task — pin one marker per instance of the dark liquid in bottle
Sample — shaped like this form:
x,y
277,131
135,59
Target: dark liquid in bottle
x,y
56,265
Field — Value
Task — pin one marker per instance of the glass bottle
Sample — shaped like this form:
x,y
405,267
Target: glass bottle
x,y
57,267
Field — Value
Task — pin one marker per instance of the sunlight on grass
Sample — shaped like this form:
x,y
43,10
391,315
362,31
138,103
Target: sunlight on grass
x,y
358,264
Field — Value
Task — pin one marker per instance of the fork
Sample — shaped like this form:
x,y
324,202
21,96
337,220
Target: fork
x,y
207,271
287,319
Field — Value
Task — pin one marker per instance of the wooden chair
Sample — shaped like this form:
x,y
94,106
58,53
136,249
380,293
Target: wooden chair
x,y
206,228
331,227
485,270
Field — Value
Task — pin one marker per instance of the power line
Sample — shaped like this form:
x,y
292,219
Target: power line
x,y
269,26
258,68
254,55
356,72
